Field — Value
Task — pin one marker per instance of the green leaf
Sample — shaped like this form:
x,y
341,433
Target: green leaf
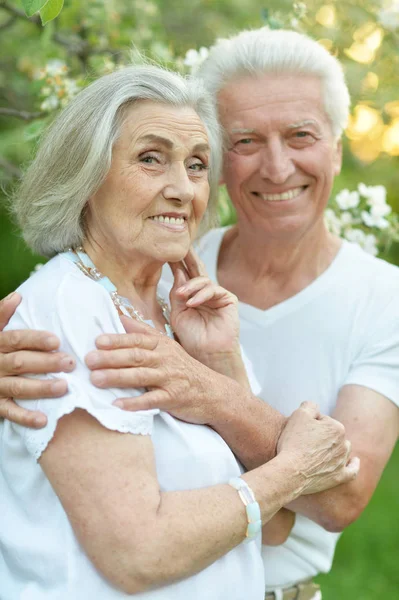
x,y
33,6
51,10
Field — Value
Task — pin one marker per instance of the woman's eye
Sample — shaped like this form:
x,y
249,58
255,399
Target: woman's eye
x,y
245,141
149,159
199,166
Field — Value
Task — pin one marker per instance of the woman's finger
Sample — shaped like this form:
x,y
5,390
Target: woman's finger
x,y
25,361
194,265
26,388
193,286
28,339
27,418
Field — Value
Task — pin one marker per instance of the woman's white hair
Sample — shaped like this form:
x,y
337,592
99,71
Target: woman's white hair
x,y
279,52
75,155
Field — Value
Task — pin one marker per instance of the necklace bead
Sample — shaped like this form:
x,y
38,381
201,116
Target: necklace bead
x,y
122,304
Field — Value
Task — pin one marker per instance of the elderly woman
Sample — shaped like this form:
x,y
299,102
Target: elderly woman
x,y
102,503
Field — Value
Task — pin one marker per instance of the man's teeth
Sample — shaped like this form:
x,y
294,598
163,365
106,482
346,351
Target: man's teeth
x,y
285,196
171,220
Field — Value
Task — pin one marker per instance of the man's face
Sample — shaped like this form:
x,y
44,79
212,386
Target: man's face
x,y
281,157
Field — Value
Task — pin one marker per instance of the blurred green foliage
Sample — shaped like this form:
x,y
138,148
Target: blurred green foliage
x,y
94,36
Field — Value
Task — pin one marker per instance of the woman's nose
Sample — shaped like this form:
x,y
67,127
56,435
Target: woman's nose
x,y
179,186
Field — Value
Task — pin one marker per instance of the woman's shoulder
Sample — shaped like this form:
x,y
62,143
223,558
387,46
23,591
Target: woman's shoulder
x,y
59,291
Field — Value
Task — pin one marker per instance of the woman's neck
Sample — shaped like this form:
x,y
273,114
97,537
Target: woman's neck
x,y
135,278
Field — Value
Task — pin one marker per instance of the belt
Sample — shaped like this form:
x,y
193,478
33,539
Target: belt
x,y
306,590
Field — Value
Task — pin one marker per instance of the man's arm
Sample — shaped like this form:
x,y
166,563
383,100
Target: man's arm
x,y
28,352
372,424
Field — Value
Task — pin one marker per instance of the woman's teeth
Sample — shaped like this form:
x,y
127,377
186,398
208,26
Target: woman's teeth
x,y
171,220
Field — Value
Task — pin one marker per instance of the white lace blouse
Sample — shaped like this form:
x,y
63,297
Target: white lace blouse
x,y
40,557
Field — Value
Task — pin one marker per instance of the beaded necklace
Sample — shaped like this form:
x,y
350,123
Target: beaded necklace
x,y
122,304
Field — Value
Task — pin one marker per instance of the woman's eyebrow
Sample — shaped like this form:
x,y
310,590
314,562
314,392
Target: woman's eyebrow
x,y
157,139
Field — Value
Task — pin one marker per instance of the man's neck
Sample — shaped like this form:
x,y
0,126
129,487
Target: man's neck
x,y
264,272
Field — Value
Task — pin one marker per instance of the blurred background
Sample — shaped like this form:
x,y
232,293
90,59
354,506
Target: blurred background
x,y
42,67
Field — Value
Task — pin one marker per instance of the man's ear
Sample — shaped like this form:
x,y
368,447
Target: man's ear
x,y
337,157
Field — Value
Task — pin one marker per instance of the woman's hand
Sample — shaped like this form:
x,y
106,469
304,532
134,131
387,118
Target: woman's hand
x,y
316,444
204,315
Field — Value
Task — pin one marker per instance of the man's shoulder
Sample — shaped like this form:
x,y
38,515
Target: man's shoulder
x,y
370,271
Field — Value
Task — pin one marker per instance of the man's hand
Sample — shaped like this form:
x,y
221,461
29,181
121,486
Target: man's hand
x,y
143,357
22,352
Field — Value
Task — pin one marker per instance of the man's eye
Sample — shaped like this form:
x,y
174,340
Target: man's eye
x,y
302,134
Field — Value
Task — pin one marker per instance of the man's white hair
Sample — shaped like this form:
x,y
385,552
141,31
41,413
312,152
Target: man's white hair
x,y
75,155
279,52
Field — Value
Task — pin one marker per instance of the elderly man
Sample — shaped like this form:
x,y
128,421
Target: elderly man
x,y
319,317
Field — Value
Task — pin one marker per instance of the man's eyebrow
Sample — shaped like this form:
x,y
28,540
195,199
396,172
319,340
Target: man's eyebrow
x,y
235,130
303,124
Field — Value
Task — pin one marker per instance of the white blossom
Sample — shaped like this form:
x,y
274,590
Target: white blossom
x,y
375,194
194,58
370,244
373,220
346,199
50,103
357,236
346,219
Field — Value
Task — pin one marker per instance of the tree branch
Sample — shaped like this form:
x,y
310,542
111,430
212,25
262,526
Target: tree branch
x,y
17,12
8,23
20,114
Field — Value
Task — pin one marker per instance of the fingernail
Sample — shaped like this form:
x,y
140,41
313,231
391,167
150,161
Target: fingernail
x,y
51,342
58,387
181,288
92,359
103,340
7,298
40,421
67,364
118,403
98,378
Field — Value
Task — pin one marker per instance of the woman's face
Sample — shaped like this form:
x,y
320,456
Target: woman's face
x,y
157,189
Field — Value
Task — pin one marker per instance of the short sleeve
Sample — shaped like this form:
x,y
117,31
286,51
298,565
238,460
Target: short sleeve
x,y
80,311
377,364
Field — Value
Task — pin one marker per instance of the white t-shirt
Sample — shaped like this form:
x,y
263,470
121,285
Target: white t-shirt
x,y
342,329
40,557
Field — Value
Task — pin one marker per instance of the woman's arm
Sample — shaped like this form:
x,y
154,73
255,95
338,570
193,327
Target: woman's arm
x,y
140,537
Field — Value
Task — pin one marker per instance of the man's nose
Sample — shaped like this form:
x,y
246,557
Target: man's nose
x,y
179,186
277,164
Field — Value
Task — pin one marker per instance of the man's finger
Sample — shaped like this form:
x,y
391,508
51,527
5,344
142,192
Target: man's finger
x,y
28,339
121,358
28,418
149,400
7,308
23,387
125,378
17,363
114,341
